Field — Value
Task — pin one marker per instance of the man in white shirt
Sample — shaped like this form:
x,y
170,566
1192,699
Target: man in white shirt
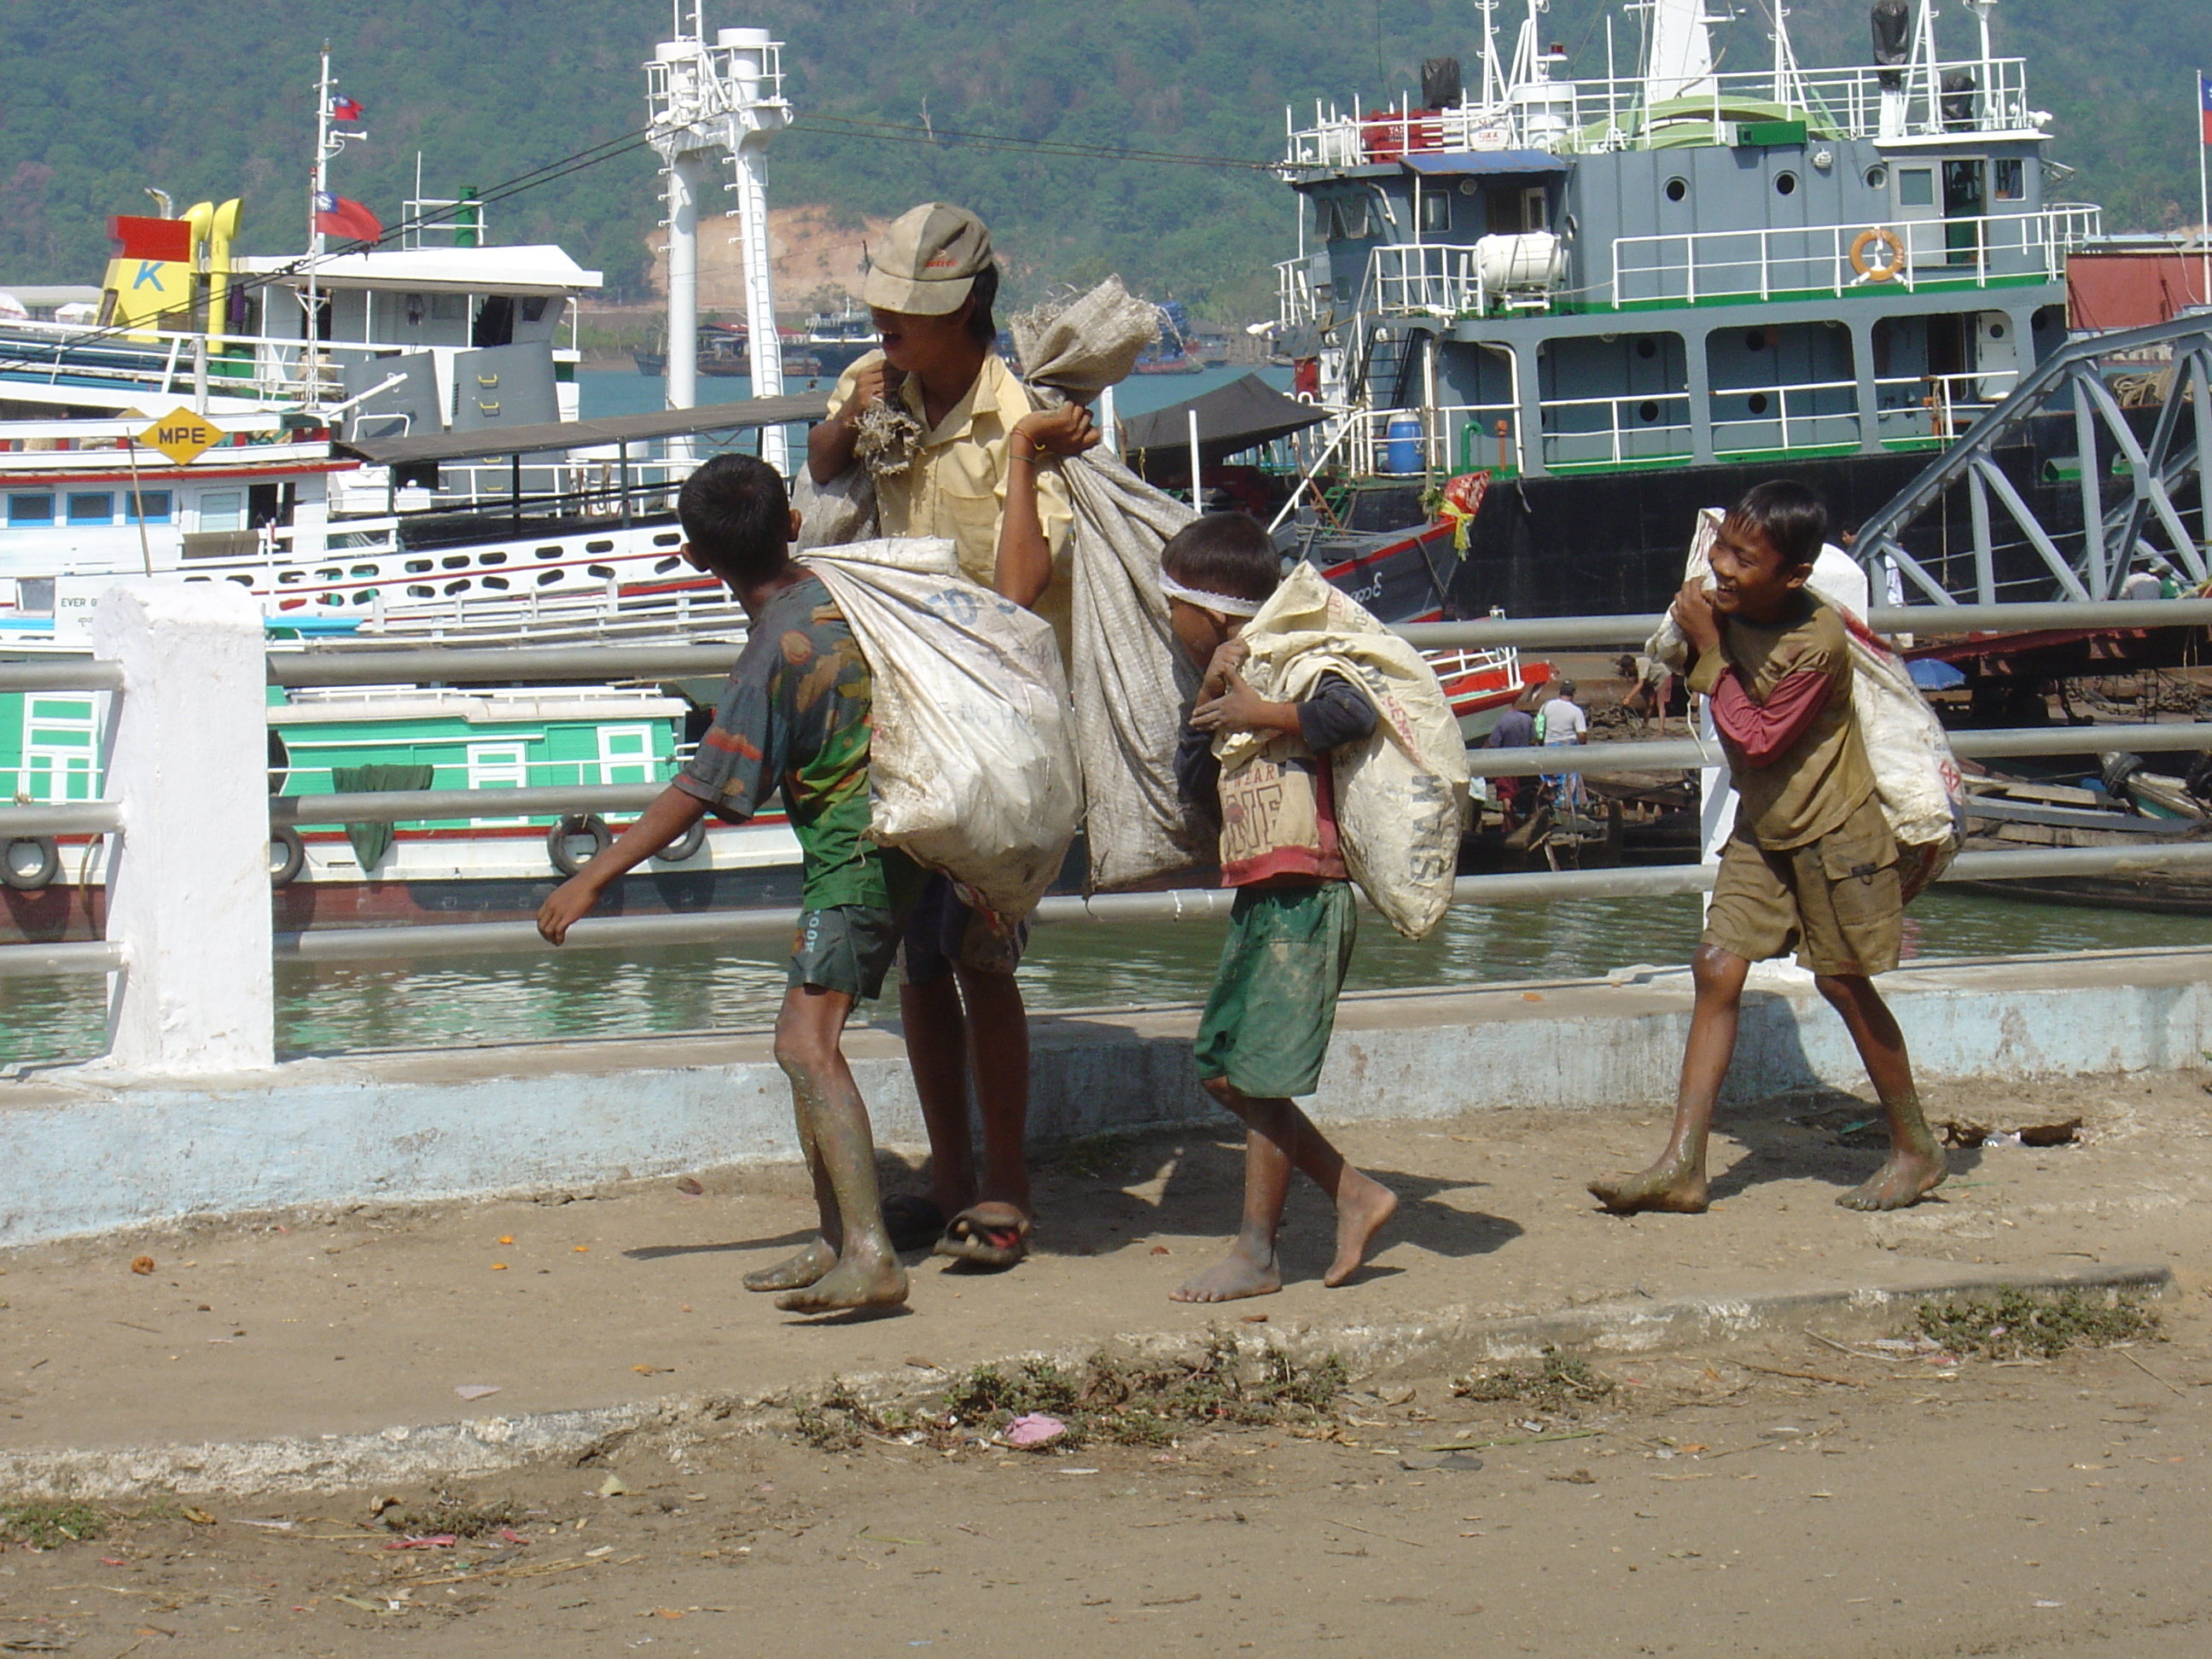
x,y
1562,720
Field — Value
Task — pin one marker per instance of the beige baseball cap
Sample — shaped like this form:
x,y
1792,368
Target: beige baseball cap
x,y
927,261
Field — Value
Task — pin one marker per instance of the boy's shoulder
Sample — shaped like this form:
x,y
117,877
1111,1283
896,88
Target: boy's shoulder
x,y
1814,638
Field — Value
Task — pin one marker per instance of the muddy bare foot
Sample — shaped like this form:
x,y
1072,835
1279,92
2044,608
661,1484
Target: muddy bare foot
x,y
1362,1206
1245,1271
1676,1188
1906,1179
861,1282
795,1273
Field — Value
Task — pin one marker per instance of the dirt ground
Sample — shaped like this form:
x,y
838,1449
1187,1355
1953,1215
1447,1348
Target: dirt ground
x,y
1786,1498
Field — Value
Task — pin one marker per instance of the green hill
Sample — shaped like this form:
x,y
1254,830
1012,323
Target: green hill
x,y
99,99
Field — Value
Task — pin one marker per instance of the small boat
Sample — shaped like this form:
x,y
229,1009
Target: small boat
x,y
2126,806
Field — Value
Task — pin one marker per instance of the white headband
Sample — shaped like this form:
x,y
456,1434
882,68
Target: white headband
x,y
1228,604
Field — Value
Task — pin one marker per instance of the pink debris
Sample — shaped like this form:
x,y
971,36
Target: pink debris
x,y
1034,1429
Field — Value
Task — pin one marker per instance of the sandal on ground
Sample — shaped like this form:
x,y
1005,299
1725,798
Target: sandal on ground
x,y
987,1235
913,1221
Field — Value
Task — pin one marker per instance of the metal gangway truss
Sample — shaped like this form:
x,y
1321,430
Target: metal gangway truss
x,y
2094,461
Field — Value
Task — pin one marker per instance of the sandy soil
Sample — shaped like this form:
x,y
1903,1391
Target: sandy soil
x,y
1785,1498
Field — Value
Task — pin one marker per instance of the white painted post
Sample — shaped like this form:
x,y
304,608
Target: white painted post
x,y
188,888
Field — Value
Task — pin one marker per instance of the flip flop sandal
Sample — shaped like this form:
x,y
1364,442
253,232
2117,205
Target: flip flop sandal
x,y
987,1235
914,1223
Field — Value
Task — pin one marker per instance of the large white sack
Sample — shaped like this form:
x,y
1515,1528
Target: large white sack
x,y
970,770
1401,795
1916,776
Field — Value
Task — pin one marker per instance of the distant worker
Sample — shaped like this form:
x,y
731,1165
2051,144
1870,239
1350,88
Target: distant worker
x,y
2142,582
1515,729
985,473
1811,863
793,717
1560,722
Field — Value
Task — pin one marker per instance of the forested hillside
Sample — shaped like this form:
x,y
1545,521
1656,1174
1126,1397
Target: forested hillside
x,y
209,98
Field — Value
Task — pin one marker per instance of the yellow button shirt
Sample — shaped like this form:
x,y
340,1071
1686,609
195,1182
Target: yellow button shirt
x,y
956,485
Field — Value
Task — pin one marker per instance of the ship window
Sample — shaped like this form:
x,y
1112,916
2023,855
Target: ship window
x,y
460,586
599,547
420,591
1754,341
668,538
448,307
416,566
491,558
364,570
146,507
1647,410
663,566
549,552
602,571
1647,347
366,596
291,576
1436,211
455,562
30,509
1677,189
547,577
1877,178
533,307
1785,184
92,509
222,509
1916,187
2009,177
494,581
1758,403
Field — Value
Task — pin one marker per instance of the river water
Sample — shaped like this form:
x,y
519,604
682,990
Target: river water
x,y
424,1002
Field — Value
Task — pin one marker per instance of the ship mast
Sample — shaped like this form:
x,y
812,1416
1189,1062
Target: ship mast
x,y
318,184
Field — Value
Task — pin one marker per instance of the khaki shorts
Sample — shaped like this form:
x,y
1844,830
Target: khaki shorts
x,y
1835,899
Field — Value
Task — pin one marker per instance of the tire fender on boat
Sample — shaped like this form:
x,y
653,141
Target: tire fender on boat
x,y
577,824
684,845
29,863
288,855
1886,271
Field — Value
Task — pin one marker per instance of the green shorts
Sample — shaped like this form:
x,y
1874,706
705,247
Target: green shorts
x,y
849,947
1267,1025
1836,900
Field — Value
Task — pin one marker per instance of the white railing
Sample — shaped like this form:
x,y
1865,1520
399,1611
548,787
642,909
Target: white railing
x,y
1294,297
1686,267
1648,427
1436,280
1442,445
1568,117
1769,422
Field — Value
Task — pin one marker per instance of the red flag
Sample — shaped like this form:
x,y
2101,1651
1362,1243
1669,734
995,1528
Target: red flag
x,y
336,216
344,108
2204,104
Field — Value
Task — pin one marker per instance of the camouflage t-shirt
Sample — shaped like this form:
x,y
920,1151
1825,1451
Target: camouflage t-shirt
x,y
795,715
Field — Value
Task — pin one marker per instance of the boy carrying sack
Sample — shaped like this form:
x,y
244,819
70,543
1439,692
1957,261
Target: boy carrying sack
x,y
1267,1025
796,715
1812,862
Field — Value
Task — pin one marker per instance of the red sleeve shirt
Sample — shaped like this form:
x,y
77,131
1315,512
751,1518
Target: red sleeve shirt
x,y
1762,732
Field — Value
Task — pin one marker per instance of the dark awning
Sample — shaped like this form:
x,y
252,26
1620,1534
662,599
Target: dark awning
x,y
1230,417
432,449
1459,163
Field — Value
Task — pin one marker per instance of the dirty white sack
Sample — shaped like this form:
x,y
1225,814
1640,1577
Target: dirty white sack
x,y
971,769
1401,795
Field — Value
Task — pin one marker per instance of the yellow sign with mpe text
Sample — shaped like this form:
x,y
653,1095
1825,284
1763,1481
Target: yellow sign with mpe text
x,y
180,435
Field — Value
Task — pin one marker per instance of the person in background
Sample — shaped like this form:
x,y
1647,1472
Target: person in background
x,y
1515,729
985,473
1560,722
2142,582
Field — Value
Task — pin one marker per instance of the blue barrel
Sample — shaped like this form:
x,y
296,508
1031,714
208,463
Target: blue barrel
x,y
1401,444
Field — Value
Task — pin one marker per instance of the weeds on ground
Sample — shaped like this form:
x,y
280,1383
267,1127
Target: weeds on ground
x,y
49,1522
2035,1325
1562,1380
1092,1156
1110,1398
447,1514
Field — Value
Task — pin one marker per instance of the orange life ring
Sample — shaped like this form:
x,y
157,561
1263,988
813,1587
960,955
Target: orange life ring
x,y
1881,273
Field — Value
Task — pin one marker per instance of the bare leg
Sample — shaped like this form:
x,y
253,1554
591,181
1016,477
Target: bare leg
x,y
819,1254
1916,1166
1677,1182
1279,1138
937,1043
834,1125
998,1029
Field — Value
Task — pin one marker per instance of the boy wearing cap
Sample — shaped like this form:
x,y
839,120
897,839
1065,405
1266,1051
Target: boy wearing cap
x,y
984,475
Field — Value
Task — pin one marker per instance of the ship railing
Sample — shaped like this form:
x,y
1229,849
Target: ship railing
x,y
1429,278
1687,267
1447,438
192,988
190,959
1640,427
1600,113
1294,295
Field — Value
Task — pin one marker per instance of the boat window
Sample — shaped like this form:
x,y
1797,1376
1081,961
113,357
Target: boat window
x,y
446,307
455,562
662,568
491,558
1647,410
599,547
30,509
1916,187
1877,178
146,507
416,566
602,571
460,586
667,538
1677,189
533,307
1785,184
549,552
494,581
1436,211
92,509
547,577
419,591
366,596
2009,175
222,509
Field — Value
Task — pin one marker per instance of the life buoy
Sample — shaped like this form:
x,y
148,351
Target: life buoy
x,y
684,845
558,837
1886,271
288,855
29,863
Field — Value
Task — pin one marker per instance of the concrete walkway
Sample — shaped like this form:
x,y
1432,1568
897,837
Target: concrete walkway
x,y
330,1345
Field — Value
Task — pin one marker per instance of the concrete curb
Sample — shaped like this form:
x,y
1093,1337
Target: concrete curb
x,y
1455,1338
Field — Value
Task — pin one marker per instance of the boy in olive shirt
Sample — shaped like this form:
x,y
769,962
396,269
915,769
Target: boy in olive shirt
x,y
795,715
1811,862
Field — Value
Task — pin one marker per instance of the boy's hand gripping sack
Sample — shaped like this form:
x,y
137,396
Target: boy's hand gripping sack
x,y
1401,795
971,769
1916,776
